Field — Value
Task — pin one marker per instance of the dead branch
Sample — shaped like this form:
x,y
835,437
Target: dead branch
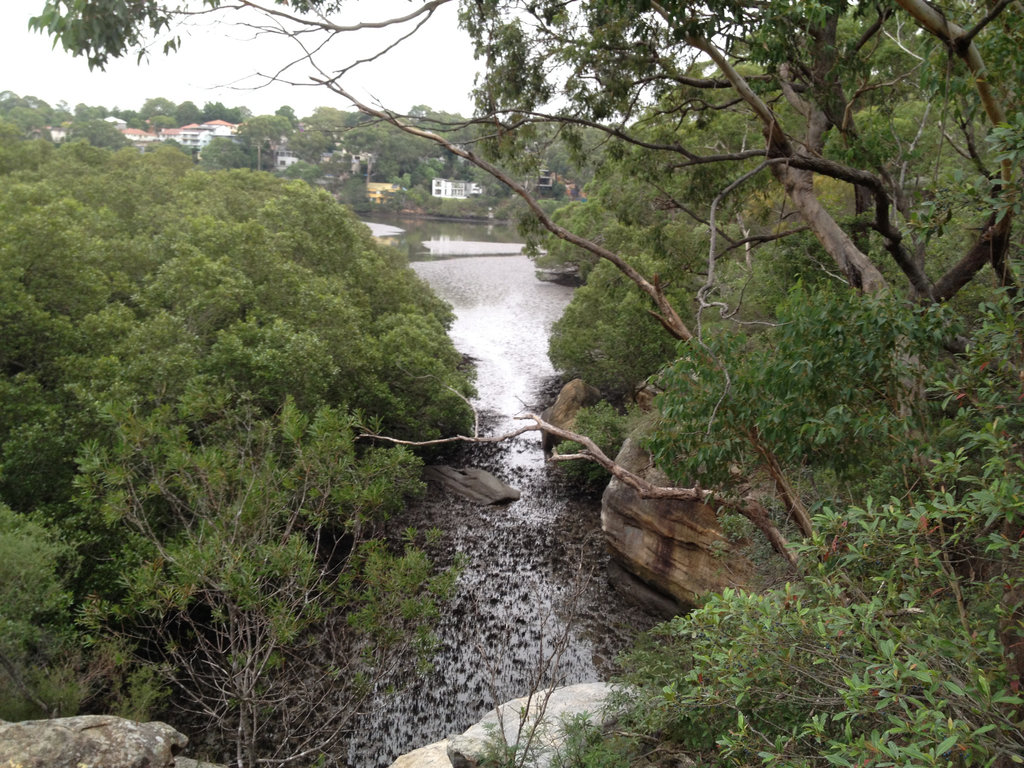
x,y
749,508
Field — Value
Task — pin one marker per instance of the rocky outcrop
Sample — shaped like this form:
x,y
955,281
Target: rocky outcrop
x,y
564,274
477,485
532,723
674,548
89,741
562,413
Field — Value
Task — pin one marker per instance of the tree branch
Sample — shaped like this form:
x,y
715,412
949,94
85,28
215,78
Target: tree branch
x,y
666,314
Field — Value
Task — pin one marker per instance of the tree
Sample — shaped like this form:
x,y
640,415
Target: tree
x,y
269,595
161,123
874,144
167,327
304,171
265,132
223,154
215,110
33,605
85,112
187,113
829,98
158,106
288,113
29,113
99,133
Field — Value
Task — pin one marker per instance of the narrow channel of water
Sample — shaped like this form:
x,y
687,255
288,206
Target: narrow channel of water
x,y
532,605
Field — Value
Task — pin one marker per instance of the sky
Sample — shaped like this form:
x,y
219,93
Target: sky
x,y
217,61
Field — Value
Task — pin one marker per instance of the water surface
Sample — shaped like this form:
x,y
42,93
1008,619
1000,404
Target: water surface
x,y
532,605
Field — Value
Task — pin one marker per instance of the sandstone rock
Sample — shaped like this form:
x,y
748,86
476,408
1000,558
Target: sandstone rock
x,y
543,718
675,547
562,413
89,741
475,484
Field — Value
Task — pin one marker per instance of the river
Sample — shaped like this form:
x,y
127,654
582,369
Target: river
x,y
532,605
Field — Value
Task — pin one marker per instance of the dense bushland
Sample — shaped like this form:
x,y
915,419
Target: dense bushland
x,y
186,359
813,206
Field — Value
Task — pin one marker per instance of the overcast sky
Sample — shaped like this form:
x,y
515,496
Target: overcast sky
x,y
216,62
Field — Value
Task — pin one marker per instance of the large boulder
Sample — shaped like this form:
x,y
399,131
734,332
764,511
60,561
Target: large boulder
x,y
536,720
477,485
88,741
674,548
562,413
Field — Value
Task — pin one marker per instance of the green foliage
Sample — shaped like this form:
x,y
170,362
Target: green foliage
x,y
34,628
833,386
898,643
258,550
587,746
608,429
223,154
187,357
98,133
607,337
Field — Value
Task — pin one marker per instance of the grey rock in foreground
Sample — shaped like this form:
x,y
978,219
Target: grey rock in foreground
x,y
88,741
532,723
477,485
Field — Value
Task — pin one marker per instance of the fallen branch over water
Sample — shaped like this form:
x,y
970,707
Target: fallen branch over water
x,y
748,507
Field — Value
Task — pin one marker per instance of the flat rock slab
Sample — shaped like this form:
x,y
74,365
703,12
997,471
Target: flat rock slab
x,y
477,485
89,741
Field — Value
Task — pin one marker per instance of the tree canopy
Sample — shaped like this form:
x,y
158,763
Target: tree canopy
x,y
815,207
187,359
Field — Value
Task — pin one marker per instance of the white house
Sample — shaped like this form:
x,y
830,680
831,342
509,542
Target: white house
x,y
135,136
458,190
198,136
284,158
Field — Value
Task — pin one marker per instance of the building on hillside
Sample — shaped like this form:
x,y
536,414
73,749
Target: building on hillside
x,y
117,122
284,158
359,159
377,191
197,136
135,136
58,133
455,189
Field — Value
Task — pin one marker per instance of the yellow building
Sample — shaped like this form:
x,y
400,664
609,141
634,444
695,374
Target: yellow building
x,y
377,191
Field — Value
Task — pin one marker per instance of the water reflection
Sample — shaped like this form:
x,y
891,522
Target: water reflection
x,y
424,239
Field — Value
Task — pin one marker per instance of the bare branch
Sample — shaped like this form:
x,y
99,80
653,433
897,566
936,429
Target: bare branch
x,y
322,23
987,19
